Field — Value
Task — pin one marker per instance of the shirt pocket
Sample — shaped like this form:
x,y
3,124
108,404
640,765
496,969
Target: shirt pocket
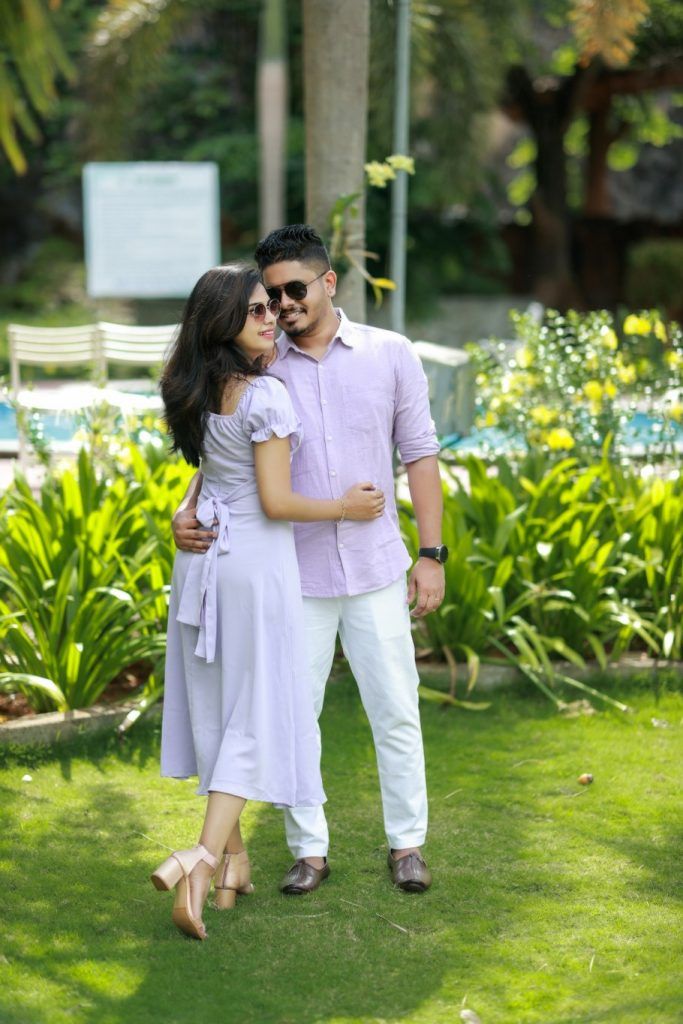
x,y
367,412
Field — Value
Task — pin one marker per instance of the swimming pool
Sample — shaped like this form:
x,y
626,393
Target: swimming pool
x,y
58,427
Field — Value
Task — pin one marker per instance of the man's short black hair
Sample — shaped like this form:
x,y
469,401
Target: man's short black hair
x,y
298,242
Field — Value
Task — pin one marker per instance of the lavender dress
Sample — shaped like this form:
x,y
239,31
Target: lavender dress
x,y
238,709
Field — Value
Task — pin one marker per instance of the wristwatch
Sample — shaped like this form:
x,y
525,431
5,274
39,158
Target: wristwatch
x,y
439,554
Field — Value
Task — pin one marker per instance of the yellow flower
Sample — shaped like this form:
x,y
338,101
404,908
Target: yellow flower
x,y
660,330
525,357
592,362
610,389
627,374
637,324
490,419
676,412
399,162
673,359
516,383
542,415
559,439
609,339
593,390
379,174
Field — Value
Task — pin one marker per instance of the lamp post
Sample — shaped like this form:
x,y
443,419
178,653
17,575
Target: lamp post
x,y
399,191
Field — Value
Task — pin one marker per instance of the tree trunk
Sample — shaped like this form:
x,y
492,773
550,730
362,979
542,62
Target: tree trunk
x,y
335,59
271,98
548,112
553,284
597,202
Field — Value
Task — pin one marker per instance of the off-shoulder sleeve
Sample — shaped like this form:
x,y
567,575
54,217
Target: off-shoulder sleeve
x,y
271,412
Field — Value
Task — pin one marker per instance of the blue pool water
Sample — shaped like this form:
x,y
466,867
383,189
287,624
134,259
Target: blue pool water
x,y
57,427
641,432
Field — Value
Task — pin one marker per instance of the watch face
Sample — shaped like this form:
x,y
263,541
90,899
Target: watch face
x,y
443,553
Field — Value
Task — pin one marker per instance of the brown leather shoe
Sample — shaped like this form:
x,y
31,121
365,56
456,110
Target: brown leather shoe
x,y
409,873
302,878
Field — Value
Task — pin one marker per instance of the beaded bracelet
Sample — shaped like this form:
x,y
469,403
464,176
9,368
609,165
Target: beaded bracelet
x,y
343,512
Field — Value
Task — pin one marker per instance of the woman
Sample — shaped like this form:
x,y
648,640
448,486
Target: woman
x,y
238,710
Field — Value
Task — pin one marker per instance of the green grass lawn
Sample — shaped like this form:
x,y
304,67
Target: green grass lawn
x,y
552,902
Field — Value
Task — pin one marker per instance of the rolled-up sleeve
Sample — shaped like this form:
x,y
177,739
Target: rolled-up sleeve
x,y
414,430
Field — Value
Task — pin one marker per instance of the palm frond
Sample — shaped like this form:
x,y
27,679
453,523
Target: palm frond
x,y
32,58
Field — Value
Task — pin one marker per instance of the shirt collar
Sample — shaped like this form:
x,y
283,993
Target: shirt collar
x,y
346,333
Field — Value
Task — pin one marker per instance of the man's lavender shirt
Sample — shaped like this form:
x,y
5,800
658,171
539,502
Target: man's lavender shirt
x,y
367,394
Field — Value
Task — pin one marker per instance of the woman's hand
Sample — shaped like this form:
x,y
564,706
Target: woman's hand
x,y
363,501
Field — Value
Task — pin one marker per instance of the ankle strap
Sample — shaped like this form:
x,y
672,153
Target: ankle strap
x,y
208,857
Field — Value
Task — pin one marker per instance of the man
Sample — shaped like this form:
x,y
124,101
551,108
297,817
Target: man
x,y
359,392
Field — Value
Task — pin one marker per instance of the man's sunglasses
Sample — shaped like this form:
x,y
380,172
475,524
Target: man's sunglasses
x,y
294,289
259,309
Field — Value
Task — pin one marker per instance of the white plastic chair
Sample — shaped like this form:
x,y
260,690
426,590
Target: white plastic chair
x,y
122,345
58,346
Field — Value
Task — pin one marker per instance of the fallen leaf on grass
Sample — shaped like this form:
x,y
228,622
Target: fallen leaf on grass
x,y
576,708
660,723
438,697
470,1017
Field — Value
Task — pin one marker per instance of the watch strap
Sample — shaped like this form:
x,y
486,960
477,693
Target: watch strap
x,y
436,553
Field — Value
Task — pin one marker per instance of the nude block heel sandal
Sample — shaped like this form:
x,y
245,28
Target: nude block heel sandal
x,y
232,878
175,871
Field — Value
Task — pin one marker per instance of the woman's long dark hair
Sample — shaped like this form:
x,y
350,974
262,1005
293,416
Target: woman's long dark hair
x,y
204,355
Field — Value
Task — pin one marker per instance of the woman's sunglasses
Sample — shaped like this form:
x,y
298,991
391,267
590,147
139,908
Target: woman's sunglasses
x,y
259,310
294,289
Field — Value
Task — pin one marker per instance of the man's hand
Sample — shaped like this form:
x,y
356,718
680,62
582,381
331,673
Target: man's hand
x,y
427,582
188,532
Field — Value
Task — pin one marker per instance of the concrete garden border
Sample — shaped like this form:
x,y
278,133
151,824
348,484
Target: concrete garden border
x,y
58,726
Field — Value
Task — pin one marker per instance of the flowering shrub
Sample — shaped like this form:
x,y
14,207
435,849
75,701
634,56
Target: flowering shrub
x,y
574,383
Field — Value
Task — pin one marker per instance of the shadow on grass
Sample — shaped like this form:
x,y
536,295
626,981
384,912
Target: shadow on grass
x,y
92,939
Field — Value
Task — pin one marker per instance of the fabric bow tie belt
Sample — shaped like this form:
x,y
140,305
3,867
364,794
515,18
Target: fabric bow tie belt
x,y
199,598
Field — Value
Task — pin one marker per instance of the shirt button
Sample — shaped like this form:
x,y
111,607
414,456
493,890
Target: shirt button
x,y
333,472
324,401
341,545
329,437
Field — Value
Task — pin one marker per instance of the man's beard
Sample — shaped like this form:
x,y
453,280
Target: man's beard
x,y
294,331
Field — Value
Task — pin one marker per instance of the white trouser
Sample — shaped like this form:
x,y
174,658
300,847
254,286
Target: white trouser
x,y
374,629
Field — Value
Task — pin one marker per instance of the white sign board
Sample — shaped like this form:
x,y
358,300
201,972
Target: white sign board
x,y
151,229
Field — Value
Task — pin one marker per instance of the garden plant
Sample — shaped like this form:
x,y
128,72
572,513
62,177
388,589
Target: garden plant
x,y
565,536
84,573
568,550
